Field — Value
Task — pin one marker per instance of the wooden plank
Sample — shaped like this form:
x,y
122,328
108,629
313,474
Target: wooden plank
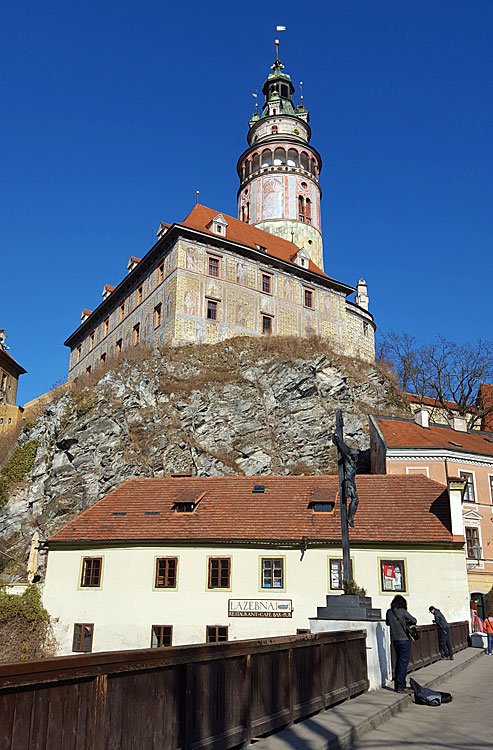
x,y
7,703
21,727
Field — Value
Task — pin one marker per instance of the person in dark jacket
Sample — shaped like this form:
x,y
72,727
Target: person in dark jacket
x,y
443,633
398,619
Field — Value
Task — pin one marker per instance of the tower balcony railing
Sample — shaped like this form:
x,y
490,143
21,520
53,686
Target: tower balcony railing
x,y
279,168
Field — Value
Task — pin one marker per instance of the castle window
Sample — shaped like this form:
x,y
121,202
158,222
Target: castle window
x,y
273,129
266,325
304,161
256,162
78,355
308,211
91,341
136,334
266,160
301,208
267,283
213,266
365,328
106,326
216,633
469,494
83,635
122,311
279,157
160,273
292,158
307,297
161,636
102,358
211,309
139,295
284,91
88,370
119,346
158,315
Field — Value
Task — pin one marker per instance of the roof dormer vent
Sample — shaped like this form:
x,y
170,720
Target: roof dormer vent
x,y
258,489
132,262
219,225
84,315
107,289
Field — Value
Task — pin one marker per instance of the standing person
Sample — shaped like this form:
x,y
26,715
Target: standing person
x,y
398,619
488,629
443,633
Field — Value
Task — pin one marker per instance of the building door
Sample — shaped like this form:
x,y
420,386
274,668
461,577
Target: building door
x,y
479,599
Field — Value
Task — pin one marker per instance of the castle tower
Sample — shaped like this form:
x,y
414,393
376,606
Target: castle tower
x,y
279,188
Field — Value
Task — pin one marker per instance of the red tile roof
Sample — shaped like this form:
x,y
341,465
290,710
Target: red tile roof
x,y
238,231
393,509
485,398
433,402
402,433
109,288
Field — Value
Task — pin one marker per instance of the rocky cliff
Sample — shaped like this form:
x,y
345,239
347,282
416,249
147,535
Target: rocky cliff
x,y
246,406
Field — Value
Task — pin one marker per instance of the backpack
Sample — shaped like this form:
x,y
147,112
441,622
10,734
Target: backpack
x,y
428,697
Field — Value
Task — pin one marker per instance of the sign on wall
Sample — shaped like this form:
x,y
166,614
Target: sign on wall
x,y
260,608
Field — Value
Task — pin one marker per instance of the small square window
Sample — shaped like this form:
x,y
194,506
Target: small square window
x,y
91,572
272,573
213,266
266,324
469,493
136,334
158,316
308,298
266,283
216,633
219,573
392,575
83,635
211,310
161,635
166,568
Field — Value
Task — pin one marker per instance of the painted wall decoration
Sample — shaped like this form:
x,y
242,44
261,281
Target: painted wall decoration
x,y
272,190
169,305
190,302
241,273
191,258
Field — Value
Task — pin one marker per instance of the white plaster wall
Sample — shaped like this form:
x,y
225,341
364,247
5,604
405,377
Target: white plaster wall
x,y
126,605
378,648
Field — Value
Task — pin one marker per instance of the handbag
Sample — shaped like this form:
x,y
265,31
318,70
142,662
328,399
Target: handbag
x,y
413,632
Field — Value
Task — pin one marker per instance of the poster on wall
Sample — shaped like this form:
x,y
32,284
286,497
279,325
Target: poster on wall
x,y
392,577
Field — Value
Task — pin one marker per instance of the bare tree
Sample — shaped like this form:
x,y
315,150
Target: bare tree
x,y
445,371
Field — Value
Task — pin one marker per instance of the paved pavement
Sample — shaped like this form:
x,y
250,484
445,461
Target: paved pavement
x,y
464,724
387,720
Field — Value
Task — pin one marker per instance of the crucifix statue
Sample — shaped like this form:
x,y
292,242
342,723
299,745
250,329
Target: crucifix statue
x,y
347,463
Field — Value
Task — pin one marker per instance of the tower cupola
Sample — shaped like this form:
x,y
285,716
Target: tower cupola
x,y
279,171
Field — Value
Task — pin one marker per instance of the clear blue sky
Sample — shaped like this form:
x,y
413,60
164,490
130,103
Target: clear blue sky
x,y
114,112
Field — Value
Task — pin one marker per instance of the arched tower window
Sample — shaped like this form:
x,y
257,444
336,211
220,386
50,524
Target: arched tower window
x,y
256,162
304,161
301,208
273,129
292,158
266,160
308,211
279,157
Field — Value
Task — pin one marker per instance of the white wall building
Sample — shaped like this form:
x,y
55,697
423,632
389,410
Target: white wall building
x,y
185,560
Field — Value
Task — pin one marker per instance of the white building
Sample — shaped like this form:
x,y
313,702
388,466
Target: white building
x,y
185,560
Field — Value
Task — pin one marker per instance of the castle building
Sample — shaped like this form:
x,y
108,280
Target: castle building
x,y
10,371
213,276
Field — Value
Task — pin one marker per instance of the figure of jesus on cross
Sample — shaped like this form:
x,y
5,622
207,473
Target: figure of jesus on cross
x,y
347,461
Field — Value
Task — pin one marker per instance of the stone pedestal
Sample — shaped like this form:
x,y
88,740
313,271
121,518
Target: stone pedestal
x,y
347,612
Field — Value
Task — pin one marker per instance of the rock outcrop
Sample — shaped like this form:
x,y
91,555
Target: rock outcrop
x,y
246,406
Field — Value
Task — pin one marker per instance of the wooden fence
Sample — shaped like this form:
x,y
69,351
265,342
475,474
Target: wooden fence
x,y
188,697
426,650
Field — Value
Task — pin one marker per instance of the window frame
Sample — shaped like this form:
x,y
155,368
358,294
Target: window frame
x,y
210,561
121,311
472,474
165,587
118,346
106,326
158,315
160,636
215,260
265,558
92,340
82,573
136,334
81,639
306,292
78,354
271,320
266,277
160,273
393,561
215,307
139,294
477,531
216,629
339,562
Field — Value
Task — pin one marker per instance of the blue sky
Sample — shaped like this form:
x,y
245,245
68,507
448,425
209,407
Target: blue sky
x,y
114,112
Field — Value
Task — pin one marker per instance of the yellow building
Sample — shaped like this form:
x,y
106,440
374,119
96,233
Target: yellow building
x,y
10,370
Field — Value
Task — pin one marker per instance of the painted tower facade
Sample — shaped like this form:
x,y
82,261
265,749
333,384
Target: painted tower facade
x,y
279,171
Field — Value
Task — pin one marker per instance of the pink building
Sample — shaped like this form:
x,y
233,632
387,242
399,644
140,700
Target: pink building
x,y
446,453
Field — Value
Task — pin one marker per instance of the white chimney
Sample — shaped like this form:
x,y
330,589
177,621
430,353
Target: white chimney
x,y
362,299
459,423
422,417
456,488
